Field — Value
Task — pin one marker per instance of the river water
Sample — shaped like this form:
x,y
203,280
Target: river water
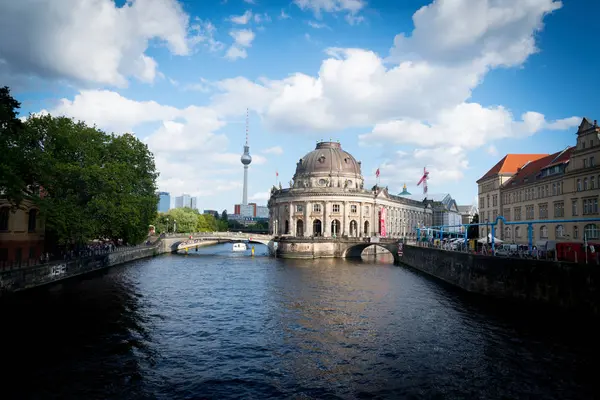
x,y
219,325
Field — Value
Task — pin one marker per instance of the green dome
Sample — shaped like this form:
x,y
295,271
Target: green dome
x,y
404,191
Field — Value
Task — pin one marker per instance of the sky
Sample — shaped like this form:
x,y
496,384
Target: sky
x,y
450,85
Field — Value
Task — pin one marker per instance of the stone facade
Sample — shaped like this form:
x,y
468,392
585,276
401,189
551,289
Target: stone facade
x,y
21,232
326,198
560,186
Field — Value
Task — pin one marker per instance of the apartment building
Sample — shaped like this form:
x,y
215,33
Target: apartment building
x,y
489,185
560,186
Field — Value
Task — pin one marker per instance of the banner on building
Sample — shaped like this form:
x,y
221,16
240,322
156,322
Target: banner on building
x,y
382,216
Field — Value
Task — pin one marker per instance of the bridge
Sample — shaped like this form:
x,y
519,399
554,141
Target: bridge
x,y
206,238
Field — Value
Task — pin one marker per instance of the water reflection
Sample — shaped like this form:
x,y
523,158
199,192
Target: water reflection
x,y
214,324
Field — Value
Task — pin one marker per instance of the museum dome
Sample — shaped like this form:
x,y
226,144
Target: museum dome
x,y
328,158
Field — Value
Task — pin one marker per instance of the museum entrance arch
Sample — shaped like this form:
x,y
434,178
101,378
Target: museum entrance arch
x,y
353,228
366,232
299,228
317,231
335,227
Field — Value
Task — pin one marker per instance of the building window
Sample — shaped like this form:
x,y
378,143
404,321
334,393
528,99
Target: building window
x,y
543,232
592,183
4,219
543,211
495,215
507,214
579,185
591,231
529,212
488,201
367,209
517,213
559,209
482,202
590,206
317,208
32,220
353,209
585,184
336,208
575,232
507,232
559,188
495,200
518,232
592,160
554,191
574,207
299,208
585,163
559,231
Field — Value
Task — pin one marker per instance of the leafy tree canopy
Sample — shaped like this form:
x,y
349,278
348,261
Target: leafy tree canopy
x,y
94,184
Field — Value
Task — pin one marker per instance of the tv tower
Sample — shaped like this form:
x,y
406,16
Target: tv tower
x,y
246,160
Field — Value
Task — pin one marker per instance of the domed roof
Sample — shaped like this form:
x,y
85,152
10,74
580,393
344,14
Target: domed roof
x,y
328,158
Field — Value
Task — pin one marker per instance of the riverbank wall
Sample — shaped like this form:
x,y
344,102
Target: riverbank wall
x,y
568,286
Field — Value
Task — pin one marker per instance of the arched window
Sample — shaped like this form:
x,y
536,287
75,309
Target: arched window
x,y
353,229
543,232
507,232
559,231
317,231
4,218
287,226
518,232
32,220
299,228
591,231
336,228
366,231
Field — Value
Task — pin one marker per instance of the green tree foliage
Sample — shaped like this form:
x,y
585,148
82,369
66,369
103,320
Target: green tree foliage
x,y
95,185
188,221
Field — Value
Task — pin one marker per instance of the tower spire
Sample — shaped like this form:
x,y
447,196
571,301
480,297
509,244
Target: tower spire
x,y
247,126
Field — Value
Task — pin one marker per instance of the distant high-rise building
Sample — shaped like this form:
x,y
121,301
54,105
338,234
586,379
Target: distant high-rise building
x,y
193,203
185,200
164,201
262,212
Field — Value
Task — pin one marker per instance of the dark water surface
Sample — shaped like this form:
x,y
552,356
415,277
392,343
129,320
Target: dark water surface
x,y
215,324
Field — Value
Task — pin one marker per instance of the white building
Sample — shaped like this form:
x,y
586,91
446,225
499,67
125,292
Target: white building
x,y
327,198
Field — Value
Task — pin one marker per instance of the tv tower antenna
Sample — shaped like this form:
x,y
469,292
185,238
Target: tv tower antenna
x,y
247,126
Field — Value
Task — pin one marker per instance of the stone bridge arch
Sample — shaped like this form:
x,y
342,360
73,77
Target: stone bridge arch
x,y
355,250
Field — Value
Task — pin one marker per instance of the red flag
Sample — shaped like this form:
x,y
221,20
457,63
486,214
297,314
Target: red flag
x,y
377,173
276,173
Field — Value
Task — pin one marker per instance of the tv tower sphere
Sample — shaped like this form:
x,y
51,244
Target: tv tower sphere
x,y
246,157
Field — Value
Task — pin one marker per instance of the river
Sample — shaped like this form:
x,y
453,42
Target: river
x,y
219,325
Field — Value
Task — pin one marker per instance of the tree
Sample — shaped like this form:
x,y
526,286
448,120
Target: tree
x,y
19,150
224,215
95,185
473,231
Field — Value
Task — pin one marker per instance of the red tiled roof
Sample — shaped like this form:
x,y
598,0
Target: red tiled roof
x,y
530,172
510,164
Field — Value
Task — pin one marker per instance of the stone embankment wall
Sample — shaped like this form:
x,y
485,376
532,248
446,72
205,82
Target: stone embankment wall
x,y
14,280
565,285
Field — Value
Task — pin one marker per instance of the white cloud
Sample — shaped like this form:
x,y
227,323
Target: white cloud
x,y
241,19
283,15
260,196
106,44
204,33
419,95
316,25
277,150
242,39
351,7
258,18
492,150
250,1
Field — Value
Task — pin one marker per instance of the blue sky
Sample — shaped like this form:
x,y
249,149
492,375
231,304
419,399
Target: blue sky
x,y
451,85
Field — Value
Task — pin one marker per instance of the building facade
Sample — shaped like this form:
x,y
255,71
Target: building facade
x,y
560,186
467,213
22,232
326,198
185,200
164,202
489,185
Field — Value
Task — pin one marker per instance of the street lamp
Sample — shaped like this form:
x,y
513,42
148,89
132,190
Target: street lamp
x,y
167,225
174,226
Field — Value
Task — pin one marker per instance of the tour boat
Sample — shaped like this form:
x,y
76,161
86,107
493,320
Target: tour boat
x,y
240,247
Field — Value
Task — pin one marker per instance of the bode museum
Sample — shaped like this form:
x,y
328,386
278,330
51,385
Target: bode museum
x,y
327,200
